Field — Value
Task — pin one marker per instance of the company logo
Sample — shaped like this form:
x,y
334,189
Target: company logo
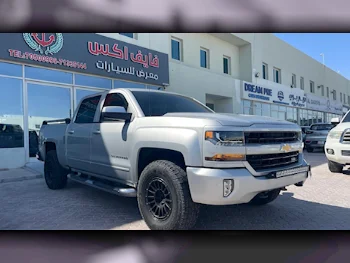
x,y
44,43
280,95
286,148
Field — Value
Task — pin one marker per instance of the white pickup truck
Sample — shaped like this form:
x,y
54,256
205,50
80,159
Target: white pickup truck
x,y
172,153
337,146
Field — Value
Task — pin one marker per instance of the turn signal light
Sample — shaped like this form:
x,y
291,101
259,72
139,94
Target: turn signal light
x,y
209,135
226,157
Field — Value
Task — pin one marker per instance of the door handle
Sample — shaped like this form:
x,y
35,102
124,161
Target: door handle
x,y
97,132
71,132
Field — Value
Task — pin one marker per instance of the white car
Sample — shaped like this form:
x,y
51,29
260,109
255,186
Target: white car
x,y
337,147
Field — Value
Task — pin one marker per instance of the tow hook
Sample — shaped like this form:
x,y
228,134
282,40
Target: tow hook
x,y
300,184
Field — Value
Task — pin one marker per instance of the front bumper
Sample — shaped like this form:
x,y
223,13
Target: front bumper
x,y
206,185
337,157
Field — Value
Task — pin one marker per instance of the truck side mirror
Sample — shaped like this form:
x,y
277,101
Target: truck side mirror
x,y
335,121
115,113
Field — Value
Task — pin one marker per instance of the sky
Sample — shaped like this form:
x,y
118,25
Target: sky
x,y
334,46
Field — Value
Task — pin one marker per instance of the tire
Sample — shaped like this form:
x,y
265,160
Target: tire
x,y
263,199
183,212
335,167
55,175
309,150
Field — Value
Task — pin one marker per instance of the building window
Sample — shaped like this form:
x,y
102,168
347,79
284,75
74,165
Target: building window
x,y
276,75
312,87
226,65
322,90
344,98
176,49
348,99
265,71
204,57
48,75
341,97
327,89
11,113
302,83
294,80
210,106
131,35
334,95
247,107
92,81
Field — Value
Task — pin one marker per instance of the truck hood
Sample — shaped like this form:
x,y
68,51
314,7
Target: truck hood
x,y
342,126
231,119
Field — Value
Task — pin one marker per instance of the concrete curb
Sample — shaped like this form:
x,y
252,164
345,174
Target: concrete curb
x,y
22,178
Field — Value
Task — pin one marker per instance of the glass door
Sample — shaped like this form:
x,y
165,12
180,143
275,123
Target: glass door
x,y
45,102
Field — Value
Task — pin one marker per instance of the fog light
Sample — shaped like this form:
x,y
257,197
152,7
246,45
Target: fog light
x,y
330,151
228,187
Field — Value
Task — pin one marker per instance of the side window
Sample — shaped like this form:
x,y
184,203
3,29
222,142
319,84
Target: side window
x,y
87,110
116,99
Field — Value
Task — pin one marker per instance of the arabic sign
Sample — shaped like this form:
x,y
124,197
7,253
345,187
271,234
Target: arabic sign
x,y
283,95
314,102
87,53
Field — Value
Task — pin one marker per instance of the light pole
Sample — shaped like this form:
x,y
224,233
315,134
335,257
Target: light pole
x,y
322,55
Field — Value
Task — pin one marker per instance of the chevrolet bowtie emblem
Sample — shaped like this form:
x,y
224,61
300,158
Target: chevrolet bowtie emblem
x,y
286,148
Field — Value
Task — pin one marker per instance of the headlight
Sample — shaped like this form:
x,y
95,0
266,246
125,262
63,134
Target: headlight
x,y
300,136
335,135
225,138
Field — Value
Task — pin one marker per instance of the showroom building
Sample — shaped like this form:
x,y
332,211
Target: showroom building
x,y
43,77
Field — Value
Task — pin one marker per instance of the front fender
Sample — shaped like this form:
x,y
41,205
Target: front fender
x,y
185,141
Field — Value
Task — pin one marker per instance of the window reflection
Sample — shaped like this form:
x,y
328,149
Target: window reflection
x,y
128,85
48,75
81,93
11,113
91,81
10,69
41,99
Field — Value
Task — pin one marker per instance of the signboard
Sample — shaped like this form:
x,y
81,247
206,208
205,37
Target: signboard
x,y
316,103
282,96
87,53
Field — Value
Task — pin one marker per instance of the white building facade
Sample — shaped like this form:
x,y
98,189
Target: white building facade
x,y
302,89
245,73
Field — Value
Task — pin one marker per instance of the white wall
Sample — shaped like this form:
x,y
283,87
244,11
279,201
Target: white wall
x,y
197,82
270,49
12,158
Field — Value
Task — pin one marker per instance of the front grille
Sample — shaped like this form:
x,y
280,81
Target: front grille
x,y
346,137
265,161
345,153
270,137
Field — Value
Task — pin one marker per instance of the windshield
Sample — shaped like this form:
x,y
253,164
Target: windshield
x,y
159,103
347,117
322,127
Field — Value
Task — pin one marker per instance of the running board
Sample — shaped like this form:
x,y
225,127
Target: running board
x,y
126,192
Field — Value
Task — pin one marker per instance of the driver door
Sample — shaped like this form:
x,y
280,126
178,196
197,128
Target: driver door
x,y
109,143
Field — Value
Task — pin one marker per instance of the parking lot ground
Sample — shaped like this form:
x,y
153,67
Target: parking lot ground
x,y
322,203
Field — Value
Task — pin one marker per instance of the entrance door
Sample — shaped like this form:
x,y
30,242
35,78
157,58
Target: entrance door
x,y
44,102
